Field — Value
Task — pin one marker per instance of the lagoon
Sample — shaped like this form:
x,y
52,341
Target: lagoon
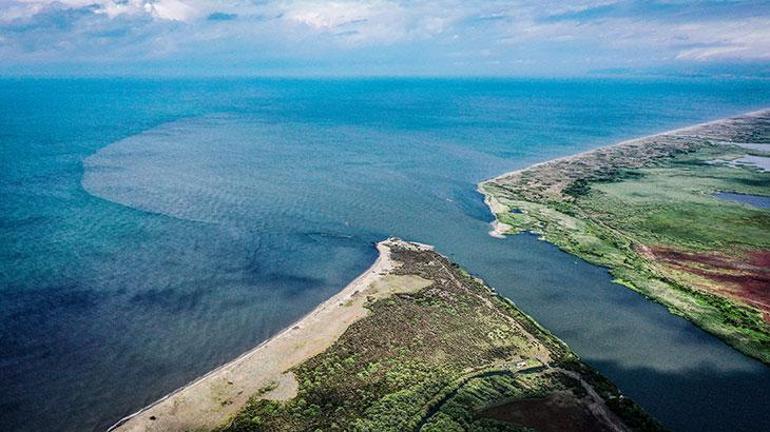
x,y
747,199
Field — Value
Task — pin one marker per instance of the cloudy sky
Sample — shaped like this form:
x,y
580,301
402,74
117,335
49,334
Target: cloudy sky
x,y
383,37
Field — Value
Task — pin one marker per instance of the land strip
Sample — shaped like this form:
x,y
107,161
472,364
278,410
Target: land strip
x,y
436,359
648,210
210,400
415,344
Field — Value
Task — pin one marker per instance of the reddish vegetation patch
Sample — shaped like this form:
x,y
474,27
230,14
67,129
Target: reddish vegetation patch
x,y
558,412
744,278
760,259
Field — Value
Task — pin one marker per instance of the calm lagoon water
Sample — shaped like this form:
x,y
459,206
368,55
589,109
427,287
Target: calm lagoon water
x,y
154,229
747,199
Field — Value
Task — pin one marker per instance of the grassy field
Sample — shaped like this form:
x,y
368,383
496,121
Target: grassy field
x,y
452,356
658,226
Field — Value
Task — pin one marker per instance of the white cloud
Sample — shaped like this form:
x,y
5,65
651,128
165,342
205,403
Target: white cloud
x,y
174,10
372,22
708,53
591,33
747,39
369,22
329,15
171,10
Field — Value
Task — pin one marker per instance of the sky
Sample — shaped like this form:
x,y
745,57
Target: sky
x,y
384,37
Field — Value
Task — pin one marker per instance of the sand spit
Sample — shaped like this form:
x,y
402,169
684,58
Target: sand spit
x,y
212,399
700,129
723,131
498,228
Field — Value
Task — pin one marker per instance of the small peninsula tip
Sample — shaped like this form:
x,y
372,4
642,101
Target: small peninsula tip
x,y
414,344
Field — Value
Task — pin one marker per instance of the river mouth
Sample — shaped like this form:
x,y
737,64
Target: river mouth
x,y
157,231
252,179
757,201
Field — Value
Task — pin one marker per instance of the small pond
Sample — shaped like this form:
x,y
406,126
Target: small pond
x,y
752,200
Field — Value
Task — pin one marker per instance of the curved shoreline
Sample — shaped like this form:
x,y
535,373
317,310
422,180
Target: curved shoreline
x,y
555,201
195,404
499,229
209,400
571,157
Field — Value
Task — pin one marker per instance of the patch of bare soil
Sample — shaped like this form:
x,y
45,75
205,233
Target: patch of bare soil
x,y
557,412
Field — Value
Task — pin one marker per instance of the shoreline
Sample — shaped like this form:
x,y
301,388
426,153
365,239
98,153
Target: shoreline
x,y
652,235
211,399
500,229
578,155
436,352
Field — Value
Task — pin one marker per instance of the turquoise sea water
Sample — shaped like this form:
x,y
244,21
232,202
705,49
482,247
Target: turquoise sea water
x,y
154,229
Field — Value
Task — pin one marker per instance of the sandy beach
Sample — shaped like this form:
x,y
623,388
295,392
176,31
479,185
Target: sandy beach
x,y
498,228
212,399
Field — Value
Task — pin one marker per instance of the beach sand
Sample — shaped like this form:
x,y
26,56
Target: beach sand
x,y
214,398
499,229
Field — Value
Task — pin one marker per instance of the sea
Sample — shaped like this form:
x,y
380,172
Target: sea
x,y
153,229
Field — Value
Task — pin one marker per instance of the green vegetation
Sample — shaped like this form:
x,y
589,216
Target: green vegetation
x,y
658,227
435,360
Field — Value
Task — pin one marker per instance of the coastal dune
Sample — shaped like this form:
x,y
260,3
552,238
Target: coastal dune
x,y
264,371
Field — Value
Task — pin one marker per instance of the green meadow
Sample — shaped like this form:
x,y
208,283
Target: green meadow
x,y
662,232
